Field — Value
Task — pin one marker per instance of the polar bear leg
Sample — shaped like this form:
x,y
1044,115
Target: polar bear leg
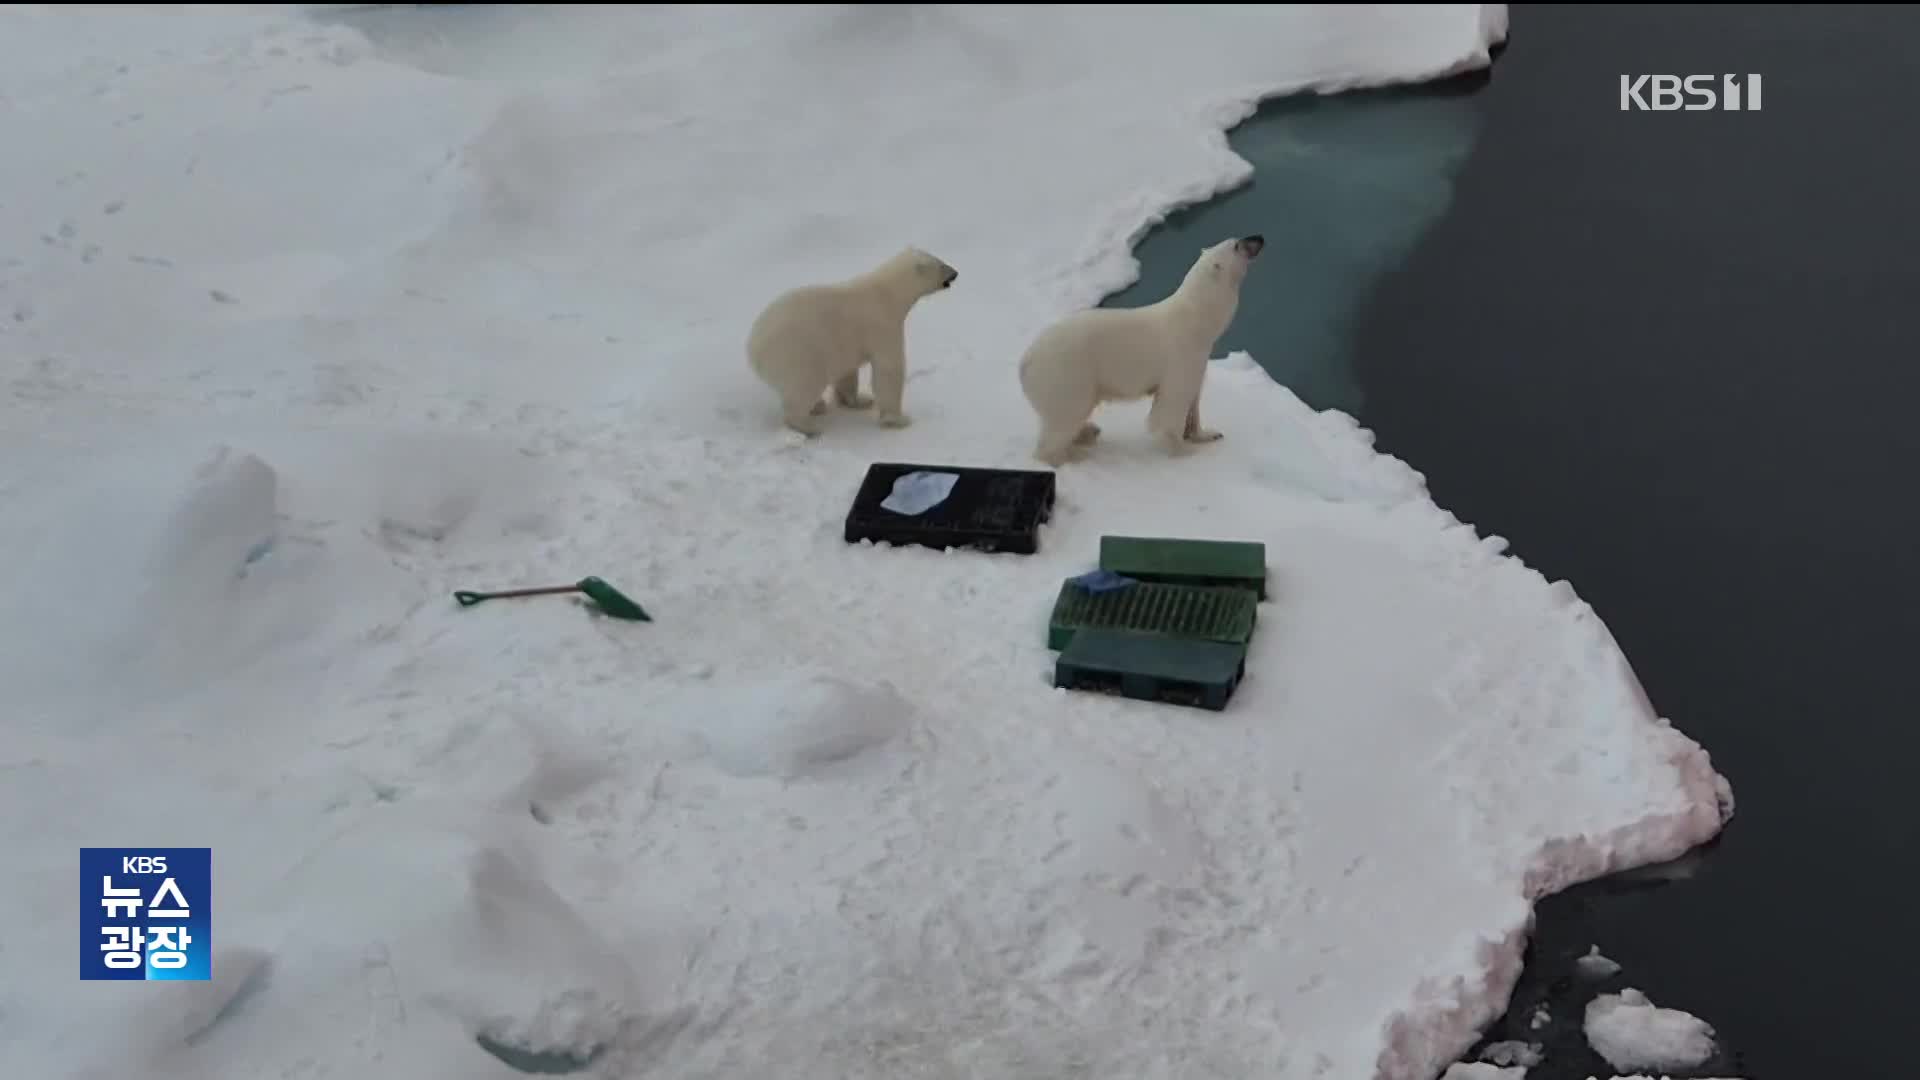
x,y
1176,403
802,411
1171,435
1196,433
1057,444
890,380
1064,406
846,390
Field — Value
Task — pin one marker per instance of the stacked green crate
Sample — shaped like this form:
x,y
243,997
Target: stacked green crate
x,y
1163,619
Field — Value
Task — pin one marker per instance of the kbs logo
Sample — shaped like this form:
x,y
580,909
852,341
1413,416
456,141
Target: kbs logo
x,y
146,914
1665,93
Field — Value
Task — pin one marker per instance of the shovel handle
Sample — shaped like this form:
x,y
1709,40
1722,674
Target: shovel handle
x,y
468,598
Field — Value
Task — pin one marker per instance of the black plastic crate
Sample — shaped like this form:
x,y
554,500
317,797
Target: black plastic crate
x,y
999,510
1152,667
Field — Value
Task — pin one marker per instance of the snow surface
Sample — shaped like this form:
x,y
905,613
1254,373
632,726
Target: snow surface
x,y
1631,1032
300,332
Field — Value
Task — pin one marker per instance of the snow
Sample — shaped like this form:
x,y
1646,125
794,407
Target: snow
x,y
793,726
1631,1032
302,330
1474,1070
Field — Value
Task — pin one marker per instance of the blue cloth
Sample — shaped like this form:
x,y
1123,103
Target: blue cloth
x,y
1101,581
919,492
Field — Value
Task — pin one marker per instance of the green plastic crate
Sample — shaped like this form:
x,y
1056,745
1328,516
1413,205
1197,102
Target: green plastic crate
x,y
1208,613
1230,563
1152,667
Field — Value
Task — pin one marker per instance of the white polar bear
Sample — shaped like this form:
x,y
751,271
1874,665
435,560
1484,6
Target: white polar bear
x,y
819,336
1124,354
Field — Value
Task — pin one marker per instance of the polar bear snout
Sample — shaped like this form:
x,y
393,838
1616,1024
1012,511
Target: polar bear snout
x,y
952,276
1250,245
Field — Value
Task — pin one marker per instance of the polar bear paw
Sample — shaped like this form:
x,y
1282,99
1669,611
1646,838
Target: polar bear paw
x,y
895,420
806,424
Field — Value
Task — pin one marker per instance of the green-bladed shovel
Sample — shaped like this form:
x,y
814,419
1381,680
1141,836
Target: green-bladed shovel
x,y
609,599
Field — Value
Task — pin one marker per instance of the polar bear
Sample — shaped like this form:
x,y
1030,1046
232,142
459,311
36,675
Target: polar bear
x,y
819,336
1125,354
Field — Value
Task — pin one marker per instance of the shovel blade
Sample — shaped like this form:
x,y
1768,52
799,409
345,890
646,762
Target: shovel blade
x,y
612,601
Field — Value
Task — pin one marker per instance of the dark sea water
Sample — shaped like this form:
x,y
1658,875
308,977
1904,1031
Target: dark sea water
x,y
1674,358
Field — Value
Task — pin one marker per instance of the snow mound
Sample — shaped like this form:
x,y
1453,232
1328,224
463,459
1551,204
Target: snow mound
x,y
1632,1032
513,760
426,934
162,566
157,576
796,725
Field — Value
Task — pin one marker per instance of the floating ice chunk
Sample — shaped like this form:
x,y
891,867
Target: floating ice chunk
x,y
1632,1032
1511,1053
1475,1070
1595,966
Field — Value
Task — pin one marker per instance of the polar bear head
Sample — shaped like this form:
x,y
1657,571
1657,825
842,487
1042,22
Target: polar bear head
x,y
921,272
1225,263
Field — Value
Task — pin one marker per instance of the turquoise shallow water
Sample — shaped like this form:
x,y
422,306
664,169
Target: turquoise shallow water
x,y
1344,187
